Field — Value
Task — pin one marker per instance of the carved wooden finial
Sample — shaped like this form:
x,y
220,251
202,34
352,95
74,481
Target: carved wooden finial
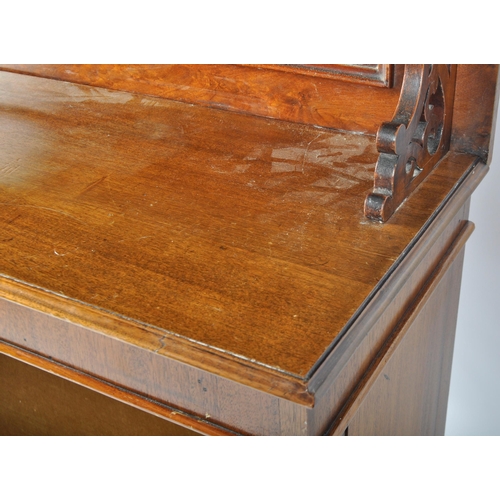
x,y
415,140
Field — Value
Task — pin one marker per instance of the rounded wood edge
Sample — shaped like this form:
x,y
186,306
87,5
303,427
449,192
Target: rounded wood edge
x,y
152,339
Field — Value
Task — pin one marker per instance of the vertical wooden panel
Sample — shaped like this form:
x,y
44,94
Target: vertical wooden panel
x,y
409,396
475,109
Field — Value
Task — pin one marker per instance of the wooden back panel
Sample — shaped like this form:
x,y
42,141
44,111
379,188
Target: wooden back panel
x,y
336,100
297,93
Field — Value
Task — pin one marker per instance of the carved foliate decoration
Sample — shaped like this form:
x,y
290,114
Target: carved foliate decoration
x,y
415,140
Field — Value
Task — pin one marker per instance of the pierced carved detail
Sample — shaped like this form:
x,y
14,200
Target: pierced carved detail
x,y
415,140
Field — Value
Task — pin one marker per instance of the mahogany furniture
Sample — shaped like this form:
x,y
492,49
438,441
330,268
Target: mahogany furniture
x,y
224,250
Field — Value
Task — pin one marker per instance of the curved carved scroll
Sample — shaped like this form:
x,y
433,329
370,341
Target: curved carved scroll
x,y
415,140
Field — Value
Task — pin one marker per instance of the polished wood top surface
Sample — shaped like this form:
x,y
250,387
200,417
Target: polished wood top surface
x,y
239,236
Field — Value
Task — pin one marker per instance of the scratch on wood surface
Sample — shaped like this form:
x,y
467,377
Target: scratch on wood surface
x,y
82,93
335,182
134,239
45,208
342,148
307,150
14,219
319,197
241,168
149,102
292,153
282,167
93,184
10,168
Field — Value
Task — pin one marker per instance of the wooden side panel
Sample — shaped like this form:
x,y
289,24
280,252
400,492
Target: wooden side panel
x,y
410,394
397,297
285,95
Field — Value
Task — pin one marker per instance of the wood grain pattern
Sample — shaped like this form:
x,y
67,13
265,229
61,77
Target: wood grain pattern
x,y
247,411
350,359
381,75
258,91
111,357
192,205
164,202
206,261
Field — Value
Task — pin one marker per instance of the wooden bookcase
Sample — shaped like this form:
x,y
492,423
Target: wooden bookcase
x,y
225,250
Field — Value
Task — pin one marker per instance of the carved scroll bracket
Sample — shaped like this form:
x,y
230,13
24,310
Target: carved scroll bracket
x,y
415,140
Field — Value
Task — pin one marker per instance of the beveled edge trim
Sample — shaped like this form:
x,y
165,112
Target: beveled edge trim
x,y
152,339
156,408
341,421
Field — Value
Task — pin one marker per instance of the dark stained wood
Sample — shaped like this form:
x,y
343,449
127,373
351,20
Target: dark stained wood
x,y
476,103
416,138
258,91
214,269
